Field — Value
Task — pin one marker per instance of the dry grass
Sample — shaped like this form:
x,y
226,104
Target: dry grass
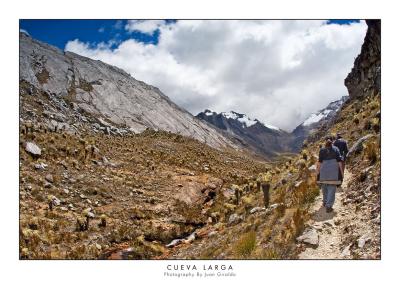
x,y
245,245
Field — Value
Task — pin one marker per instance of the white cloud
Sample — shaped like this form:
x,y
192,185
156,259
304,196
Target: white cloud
x,y
276,71
144,26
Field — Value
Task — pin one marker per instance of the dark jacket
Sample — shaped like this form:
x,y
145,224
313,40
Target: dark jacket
x,y
341,144
329,158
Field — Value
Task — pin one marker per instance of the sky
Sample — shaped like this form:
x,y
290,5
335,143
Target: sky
x,y
278,71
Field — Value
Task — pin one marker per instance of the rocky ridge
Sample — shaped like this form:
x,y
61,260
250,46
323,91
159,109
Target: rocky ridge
x,y
266,140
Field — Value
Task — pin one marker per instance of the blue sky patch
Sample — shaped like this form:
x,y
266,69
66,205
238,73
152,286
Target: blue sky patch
x,y
59,32
343,21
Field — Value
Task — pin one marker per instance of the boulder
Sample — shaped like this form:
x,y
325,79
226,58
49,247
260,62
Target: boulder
x,y
346,252
174,243
234,219
49,178
312,168
358,145
362,240
310,236
56,201
191,238
256,209
33,149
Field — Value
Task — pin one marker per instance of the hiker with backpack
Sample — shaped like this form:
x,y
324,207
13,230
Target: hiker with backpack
x,y
341,144
329,172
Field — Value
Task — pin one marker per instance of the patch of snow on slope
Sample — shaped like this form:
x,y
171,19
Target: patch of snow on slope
x,y
230,114
271,126
242,118
245,120
315,117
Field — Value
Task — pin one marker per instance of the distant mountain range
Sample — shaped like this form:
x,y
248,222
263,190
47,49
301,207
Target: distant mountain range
x,y
262,138
85,95
266,139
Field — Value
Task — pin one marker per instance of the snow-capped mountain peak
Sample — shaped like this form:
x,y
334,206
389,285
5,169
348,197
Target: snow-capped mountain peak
x,y
316,117
242,118
330,110
267,140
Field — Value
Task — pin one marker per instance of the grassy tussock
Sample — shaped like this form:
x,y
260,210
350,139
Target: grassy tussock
x,y
245,245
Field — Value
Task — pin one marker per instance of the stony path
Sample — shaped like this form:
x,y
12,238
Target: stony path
x,y
329,227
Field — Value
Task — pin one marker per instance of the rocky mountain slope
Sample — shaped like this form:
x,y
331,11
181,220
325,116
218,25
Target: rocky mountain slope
x,y
262,138
81,93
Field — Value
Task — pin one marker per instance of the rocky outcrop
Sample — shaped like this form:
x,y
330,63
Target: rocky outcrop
x,y
104,92
365,77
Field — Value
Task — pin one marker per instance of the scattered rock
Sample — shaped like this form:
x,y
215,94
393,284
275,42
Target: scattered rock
x,y
55,201
191,238
49,178
174,243
346,252
234,219
33,149
318,226
362,240
88,213
256,209
358,145
310,236
312,168
274,206
329,223
211,186
40,166
297,184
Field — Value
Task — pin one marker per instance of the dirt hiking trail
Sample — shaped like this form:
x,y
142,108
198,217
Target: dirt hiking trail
x,y
329,226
